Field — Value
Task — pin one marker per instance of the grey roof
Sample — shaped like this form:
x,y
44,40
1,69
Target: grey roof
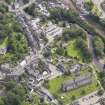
x,y
69,85
82,80
75,103
77,82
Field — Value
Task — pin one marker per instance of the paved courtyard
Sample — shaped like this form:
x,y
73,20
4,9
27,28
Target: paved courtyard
x,y
90,99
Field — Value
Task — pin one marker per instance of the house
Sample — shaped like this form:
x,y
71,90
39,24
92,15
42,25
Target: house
x,y
102,101
39,78
5,68
35,22
83,80
76,82
75,68
53,30
2,75
60,68
68,85
43,10
12,77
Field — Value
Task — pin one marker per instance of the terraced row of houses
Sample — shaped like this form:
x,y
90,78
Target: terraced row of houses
x,y
76,83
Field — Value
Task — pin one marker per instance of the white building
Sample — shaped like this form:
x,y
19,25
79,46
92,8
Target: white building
x,y
75,68
43,10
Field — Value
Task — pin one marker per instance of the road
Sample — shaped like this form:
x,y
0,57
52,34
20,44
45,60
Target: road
x,y
33,43
99,65
18,70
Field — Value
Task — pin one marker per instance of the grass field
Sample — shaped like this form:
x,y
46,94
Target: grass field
x,y
72,51
65,98
4,43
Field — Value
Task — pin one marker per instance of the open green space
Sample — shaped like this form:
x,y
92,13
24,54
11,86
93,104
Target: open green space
x,y
4,43
67,97
72,51
55,83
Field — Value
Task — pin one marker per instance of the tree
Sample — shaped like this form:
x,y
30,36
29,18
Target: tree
x,y
1,102
59,14
10,85
101,76
31,10
10,1
73,97
16,42
85,52
83,92
25,103
11,99
20,91
60,51
89,5
3,8
100,92
98,46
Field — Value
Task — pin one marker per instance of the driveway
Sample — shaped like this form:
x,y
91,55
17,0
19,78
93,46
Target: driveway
x,y
90,99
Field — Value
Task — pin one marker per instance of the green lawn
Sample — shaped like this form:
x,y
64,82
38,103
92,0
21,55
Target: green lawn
x,y
55,83
4,43
65,98
72,50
